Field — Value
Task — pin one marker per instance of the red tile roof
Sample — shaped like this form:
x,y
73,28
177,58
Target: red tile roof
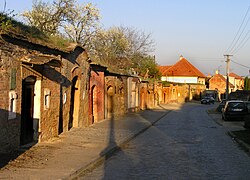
x,y
182,68
235,75
163,69
219,76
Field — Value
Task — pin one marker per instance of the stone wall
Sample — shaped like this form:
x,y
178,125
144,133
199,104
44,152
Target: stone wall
x,y
96,94
133,85
10,125
52,86
181,93
115,95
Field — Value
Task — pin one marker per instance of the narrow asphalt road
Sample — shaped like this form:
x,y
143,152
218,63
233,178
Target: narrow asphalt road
x,y
186,144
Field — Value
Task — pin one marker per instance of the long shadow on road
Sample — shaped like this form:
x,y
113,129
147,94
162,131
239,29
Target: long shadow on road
x,y
132,125
185,146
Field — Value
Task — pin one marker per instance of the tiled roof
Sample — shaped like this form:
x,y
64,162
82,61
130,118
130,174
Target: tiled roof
x,y
235,75
163,69
183,68
222,78
219,76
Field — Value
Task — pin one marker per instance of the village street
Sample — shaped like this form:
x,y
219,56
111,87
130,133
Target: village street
x,y
185,144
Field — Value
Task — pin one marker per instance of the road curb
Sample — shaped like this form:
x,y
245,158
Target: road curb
x,y
240,142
217,122
102,158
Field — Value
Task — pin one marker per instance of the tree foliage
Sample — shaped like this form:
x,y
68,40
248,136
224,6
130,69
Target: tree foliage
x,y
76,21
149,68
5,22
117,47
47,17
125,48
82,23
6,19
111,47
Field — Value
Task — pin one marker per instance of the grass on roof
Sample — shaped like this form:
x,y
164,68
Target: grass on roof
x,y
18,29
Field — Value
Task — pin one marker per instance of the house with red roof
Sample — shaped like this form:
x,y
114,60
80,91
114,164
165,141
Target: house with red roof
x,y
182,72
218,82
237,81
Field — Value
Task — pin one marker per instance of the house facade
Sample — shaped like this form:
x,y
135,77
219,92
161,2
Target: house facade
x,y
41,91
115,95
237,81
181,82
96,93
218,82
182,72
133,85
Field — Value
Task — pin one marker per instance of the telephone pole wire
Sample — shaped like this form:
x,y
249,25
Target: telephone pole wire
x,y
227,70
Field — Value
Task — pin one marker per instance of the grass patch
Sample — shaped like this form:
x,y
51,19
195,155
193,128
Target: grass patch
x,y
243,135
13,28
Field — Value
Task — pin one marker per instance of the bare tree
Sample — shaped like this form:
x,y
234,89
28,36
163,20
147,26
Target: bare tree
x,y
141,42
110,47
124,48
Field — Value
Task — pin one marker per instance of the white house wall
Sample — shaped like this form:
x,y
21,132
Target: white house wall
x,y
179,79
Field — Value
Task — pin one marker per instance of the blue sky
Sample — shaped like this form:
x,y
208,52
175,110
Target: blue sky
x,y
200,30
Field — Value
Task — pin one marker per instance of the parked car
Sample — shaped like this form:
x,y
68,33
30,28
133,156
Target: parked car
x,y
234,109
221,105
207,100
247,117
248,105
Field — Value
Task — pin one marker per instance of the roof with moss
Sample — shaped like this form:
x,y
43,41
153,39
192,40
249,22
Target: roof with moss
x,y
15,29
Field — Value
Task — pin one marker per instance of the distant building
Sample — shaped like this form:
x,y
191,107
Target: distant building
x,y
237,81
218,82
182,72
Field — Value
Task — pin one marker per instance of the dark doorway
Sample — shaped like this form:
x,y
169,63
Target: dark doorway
x,y
74,88
94,104
142,99
60,128
110,94
27,131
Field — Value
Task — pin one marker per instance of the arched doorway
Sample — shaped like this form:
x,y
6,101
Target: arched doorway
x,y
94,104
110,94
142,99
74,103
27,110
164,97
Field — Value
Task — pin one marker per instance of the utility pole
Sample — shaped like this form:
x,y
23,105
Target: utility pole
x,y
227,70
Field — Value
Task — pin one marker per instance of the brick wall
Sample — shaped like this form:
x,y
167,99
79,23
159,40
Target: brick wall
x,y
53,81
96,95
118,84
10,127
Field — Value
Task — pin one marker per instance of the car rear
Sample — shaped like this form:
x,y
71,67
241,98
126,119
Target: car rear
x,y
235,110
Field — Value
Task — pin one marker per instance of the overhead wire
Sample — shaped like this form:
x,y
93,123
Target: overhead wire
x,y
240,64
240,39
235,44
231,46
242,44
205,59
